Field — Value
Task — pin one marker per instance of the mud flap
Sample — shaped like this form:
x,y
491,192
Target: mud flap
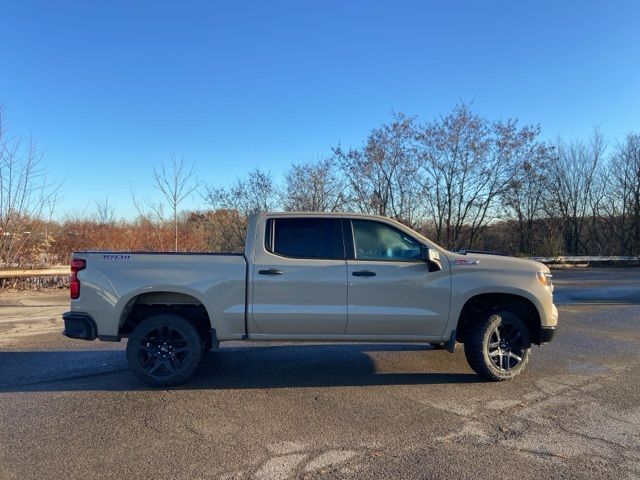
x,y
451,344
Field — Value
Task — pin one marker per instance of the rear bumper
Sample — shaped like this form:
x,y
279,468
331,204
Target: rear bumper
x,y
79,325
547,334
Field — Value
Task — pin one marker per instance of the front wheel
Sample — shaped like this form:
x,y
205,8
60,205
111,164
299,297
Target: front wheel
x,y
164,350
498,346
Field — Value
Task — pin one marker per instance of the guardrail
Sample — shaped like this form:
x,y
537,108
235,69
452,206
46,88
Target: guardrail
x,y
33,272
614,260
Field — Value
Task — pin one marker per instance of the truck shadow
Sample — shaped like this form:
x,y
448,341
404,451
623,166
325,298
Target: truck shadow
x,y
277,366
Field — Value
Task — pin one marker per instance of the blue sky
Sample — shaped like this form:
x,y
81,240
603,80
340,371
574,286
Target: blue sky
x,y
108,88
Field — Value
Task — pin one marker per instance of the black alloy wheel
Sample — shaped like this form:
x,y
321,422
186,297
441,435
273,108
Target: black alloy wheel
x,y
164,350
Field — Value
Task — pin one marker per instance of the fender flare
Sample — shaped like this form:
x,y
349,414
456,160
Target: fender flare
x,y
126,301
461,301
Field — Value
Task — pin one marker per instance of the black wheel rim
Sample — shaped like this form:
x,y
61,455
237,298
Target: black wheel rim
x,y
506,346
163,352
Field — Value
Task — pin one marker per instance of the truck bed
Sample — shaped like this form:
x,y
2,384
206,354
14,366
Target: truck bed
x,y
118,281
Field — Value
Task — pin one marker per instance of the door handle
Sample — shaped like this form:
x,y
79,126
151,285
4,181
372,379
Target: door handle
x,y
363,273
270,271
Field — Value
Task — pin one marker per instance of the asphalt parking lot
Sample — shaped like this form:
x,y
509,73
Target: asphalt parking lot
x,y
70,409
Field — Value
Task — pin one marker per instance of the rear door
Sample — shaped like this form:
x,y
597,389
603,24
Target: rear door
x,y
300,278
391,289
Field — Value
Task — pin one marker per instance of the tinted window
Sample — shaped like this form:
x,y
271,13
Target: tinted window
x,y
307,237
379,241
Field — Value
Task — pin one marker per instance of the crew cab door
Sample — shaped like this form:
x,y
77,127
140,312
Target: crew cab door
x,y
391,289
300,278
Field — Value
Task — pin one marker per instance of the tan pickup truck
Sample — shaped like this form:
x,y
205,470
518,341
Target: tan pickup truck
x,y
312,277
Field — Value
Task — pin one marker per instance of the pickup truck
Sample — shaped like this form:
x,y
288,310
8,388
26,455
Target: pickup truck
x,y
312,277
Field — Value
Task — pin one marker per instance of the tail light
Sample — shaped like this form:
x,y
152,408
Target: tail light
x,y
74,284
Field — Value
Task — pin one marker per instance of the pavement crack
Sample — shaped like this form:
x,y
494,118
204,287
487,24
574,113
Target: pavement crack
x,y
193,430
588,437
153,428
538,453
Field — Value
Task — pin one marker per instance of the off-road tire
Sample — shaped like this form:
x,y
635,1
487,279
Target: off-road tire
x,y
164,350
483,354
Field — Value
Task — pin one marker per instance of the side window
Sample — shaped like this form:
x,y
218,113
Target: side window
x,y
305,237
379,241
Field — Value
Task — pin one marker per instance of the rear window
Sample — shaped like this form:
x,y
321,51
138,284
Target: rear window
x,y
305,237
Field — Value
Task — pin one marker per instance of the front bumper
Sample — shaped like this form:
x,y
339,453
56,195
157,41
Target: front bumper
x,y
79,325
547,334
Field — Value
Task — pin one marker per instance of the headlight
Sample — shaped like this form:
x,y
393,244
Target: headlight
x,y
544,278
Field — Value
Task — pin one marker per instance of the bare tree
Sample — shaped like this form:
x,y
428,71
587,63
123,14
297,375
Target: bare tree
x,y
468,165
468,180
598,240
176,182
256,192
314,187
529,184
572,187
151,215
382,176
25,192
105,213
623,206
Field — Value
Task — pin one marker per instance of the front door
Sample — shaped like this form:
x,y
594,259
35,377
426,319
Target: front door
x,y
391,290
300,278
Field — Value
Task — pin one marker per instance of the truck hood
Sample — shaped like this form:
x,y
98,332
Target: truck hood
x,y
498,262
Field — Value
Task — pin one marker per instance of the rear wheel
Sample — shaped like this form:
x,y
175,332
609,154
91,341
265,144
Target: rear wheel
x,y
498,346
164,350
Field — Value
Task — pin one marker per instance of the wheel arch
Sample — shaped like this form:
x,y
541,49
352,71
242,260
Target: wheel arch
x,y
142,304
480,303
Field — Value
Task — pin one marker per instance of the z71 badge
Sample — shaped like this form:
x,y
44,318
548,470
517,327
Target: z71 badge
x,y
471,261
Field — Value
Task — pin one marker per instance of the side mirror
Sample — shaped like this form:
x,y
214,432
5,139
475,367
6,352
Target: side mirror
x,y
432,257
